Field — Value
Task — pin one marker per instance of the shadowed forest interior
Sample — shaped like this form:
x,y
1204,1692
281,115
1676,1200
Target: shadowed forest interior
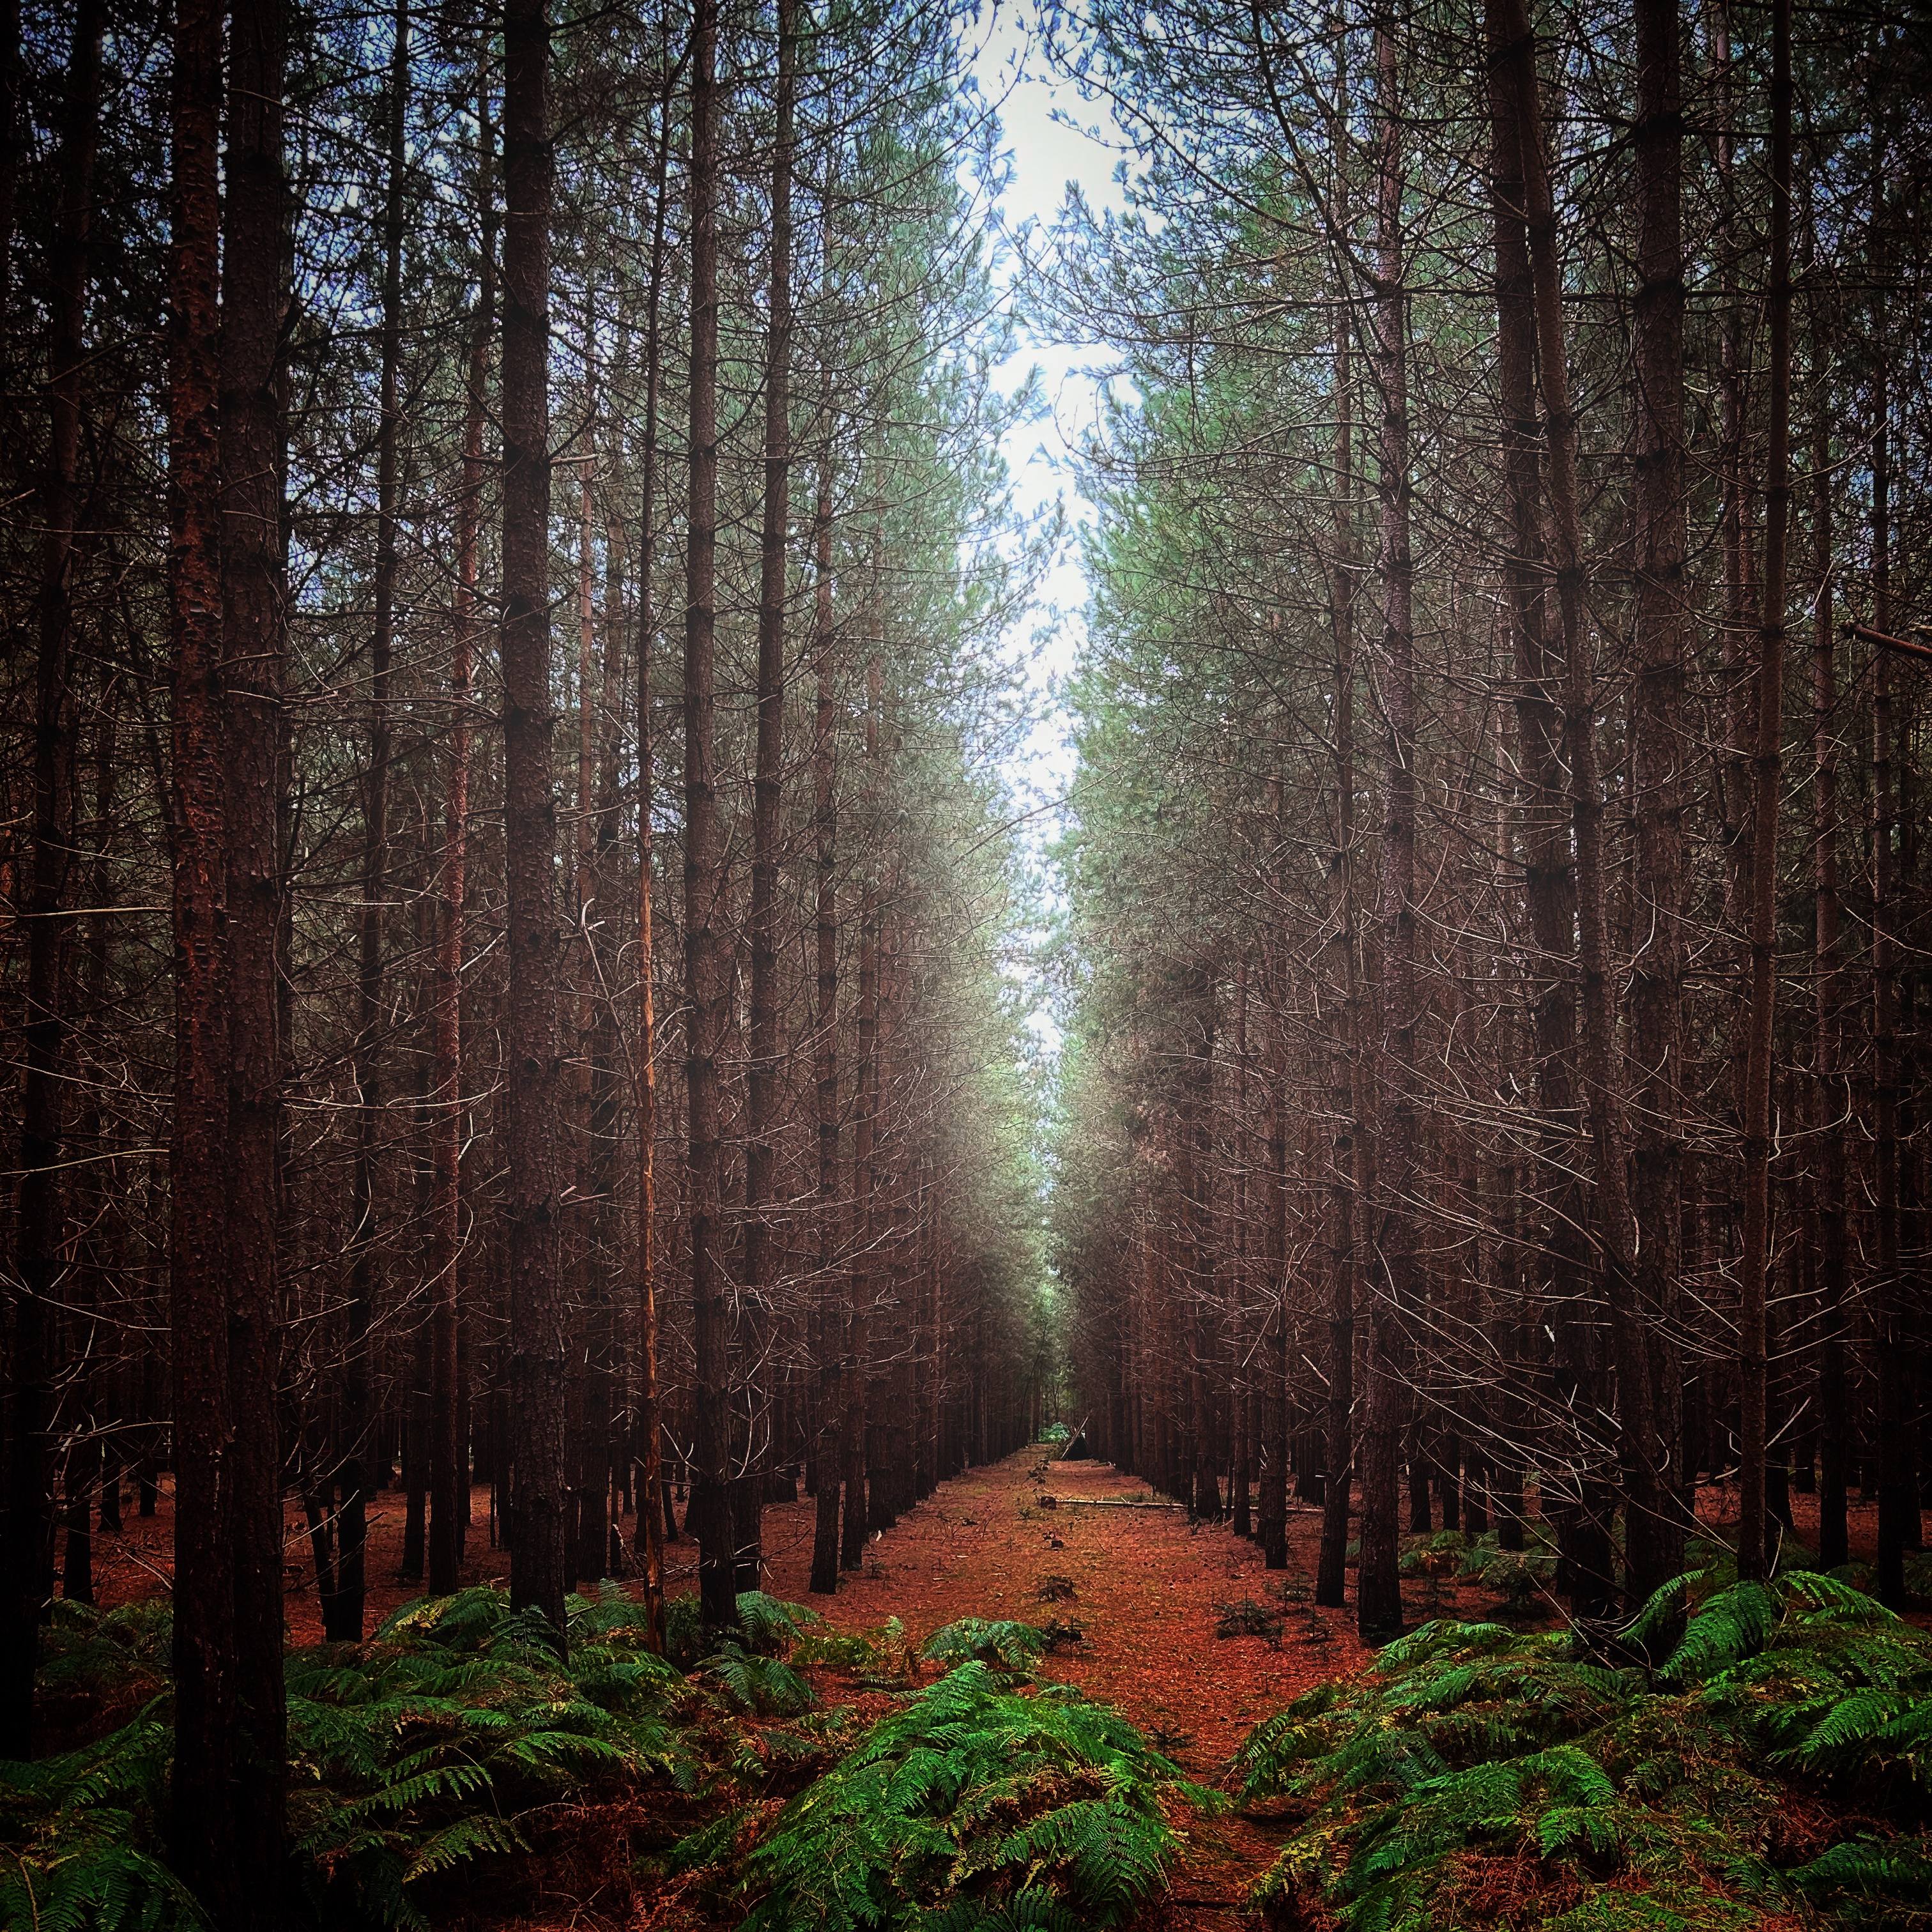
x,y
728,1212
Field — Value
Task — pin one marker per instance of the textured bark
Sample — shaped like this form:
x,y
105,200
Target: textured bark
x,y
1832,1098
1636,1436
254,301
1659,755
865,1127
538,1316
367,1063
1571,1472
590,1539
1378,1589
28,1501
448,1483
203,1821
1755,1264
1339,991
654,1517
1234,1315
706,966
1897,1503
829,1443
764,1241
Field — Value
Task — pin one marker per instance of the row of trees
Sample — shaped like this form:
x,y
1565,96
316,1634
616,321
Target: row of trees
x,y
503,868
1498,911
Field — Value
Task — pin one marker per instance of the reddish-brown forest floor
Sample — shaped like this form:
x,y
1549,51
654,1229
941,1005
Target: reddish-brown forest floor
x,y
1148,1585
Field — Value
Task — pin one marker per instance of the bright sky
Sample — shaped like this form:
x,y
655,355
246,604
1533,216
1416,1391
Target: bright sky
x,y
1047,155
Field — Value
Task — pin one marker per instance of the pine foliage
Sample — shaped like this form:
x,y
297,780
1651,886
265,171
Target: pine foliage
x,y
1472,1755
974,1808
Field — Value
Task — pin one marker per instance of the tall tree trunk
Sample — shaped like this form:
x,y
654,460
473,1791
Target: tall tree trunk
x,y
590,1551
1897,1502
538,1316
448,1480
864,1129
763,1244
829,1443
254,298
207,1722
1831,1097
647,1423
1637,1436
1331,1572
1756,1265
1378,1589
1658,759
367,1062
29,1501
706,986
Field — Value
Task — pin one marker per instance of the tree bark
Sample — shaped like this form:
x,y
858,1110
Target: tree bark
x,y
1378,1587
28,1497
1755,1265
652,1510
1331,1579
538,1316
763,1244
706,983
829,1443
255,298
1636,1435
1832,1098
449,1484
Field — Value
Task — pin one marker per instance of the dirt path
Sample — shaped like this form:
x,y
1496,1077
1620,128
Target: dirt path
x,y
1148,1591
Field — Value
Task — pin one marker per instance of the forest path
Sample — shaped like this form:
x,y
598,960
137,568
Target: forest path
x,y
1147,1589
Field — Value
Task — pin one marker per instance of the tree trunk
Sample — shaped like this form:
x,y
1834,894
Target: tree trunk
x,y
864,1125
764,1244
1658,759
1378,1587
1831,1100
706,969
29,1497
829,1443
654,1516
367,1061
1331,1579
1755,1268
1636,1434
449,1486
538,1316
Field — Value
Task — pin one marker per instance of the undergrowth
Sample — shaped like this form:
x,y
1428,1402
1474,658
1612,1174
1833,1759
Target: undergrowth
x,y
972,1807
454,1736
1780,1760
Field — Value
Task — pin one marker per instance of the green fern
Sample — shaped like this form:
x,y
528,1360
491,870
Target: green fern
x,y
764,1686
80,1836
1467,1743
1005,1645
974,1807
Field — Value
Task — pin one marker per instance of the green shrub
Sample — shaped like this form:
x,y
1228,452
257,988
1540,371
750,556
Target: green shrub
x,y
80,1835
974,1807
1006,1645
880,1656
1471,1747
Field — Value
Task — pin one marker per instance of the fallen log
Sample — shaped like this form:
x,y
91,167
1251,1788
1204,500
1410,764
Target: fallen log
x,y
1106,1502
